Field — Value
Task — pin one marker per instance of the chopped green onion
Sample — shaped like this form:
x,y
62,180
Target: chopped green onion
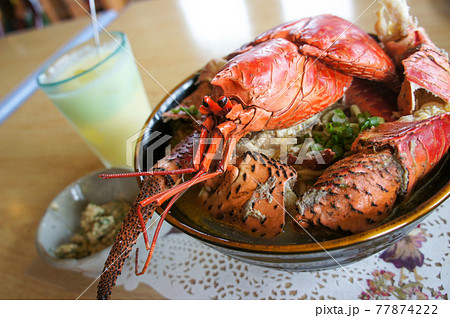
x,y
337,150
339,132
347,132
371,122
374,121
317,138
334,139
192,110
317,147
330,127
339,116
340,113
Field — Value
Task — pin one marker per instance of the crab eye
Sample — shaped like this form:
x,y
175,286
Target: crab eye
x,y
222,102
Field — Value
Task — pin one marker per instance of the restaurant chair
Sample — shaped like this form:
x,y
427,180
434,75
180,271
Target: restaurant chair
x,y
20,14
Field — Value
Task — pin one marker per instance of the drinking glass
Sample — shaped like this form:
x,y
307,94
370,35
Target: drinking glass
x,y
99,90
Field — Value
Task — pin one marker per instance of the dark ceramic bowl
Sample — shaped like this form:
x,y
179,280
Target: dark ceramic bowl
x,y
295,250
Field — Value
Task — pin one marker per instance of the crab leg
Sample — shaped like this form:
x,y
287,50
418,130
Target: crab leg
x,y
155,236
356,193
162,197
251,194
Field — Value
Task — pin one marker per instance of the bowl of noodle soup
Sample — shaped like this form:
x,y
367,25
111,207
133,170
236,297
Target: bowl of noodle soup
x,y
295,248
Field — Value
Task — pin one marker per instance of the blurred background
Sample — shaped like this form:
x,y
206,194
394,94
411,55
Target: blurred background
x,y
17,15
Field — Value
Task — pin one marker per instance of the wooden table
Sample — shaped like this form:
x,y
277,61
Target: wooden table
x,y
40,153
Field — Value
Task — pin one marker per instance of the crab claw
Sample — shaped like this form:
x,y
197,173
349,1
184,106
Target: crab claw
x,y
426,67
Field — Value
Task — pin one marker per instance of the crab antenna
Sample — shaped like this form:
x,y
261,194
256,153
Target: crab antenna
x,y
146,173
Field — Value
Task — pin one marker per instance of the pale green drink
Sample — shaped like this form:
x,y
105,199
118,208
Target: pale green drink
x,y
101,93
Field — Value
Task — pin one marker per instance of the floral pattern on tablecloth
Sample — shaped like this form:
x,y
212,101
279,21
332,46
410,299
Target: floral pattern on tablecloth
x,y
407,284
416,267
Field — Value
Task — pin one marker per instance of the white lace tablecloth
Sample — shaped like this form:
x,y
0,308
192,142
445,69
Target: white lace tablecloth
x,y
417,267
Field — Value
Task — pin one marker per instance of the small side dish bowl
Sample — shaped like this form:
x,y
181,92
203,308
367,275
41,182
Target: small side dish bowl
x,y
62,218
